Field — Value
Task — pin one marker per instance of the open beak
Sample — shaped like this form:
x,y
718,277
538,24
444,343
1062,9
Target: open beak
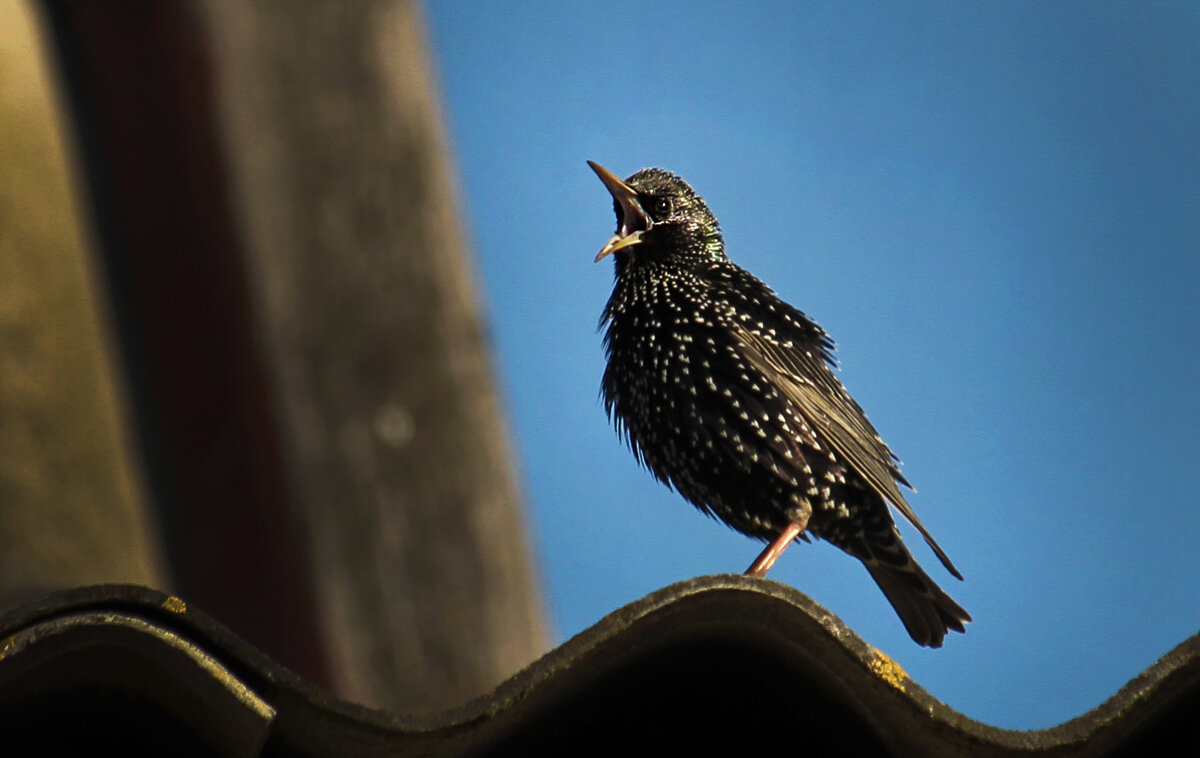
x,y
634,221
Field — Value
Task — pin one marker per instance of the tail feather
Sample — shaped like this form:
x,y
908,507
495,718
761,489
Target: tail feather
x,y
925,609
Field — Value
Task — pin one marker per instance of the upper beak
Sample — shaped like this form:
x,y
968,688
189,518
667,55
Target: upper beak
x,y
634,221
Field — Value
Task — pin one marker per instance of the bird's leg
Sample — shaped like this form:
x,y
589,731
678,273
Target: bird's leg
x,y
766,559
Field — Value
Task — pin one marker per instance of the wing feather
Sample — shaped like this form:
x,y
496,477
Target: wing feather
x,y
805,378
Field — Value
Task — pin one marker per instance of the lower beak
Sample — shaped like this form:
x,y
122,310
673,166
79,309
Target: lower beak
x,y
634,221
617,242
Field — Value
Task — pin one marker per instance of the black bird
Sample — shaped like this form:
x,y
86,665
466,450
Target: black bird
x,y
727,394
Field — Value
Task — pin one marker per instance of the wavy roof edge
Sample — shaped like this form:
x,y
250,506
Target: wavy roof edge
x,y
715,658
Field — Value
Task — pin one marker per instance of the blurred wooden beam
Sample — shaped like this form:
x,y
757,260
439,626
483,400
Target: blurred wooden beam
x,y
139,83
71,511
300,328
398,450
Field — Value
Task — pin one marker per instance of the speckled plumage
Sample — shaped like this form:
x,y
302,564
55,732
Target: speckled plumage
x,y
726,393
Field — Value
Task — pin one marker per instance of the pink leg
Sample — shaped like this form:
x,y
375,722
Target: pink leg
x,y
766,559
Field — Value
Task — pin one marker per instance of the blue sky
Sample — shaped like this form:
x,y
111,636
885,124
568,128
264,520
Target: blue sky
x,y
994,208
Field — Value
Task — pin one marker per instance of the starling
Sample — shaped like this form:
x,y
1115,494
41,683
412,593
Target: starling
x,y
727,394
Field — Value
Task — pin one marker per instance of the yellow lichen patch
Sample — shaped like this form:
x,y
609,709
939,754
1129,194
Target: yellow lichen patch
x,y
174,605
888,670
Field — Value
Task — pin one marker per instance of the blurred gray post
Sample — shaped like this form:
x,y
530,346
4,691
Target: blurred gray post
x,y
398,451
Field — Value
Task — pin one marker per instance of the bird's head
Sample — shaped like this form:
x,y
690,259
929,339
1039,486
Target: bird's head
x,y
660,218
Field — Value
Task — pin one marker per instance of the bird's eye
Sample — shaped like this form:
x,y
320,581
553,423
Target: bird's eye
x,y
661,206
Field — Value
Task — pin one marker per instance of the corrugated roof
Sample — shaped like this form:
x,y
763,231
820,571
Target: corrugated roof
x,y
707,664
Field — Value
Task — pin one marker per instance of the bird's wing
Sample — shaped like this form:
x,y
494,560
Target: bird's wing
x,y
804,376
